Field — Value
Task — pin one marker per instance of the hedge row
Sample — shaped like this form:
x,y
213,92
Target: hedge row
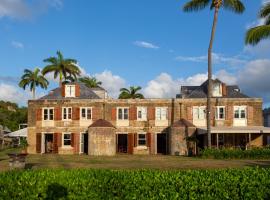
x,y
248,183
258,153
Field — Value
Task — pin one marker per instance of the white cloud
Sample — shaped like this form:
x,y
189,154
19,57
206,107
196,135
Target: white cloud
x,y
260,50
112,83
144,44
217,59
17,45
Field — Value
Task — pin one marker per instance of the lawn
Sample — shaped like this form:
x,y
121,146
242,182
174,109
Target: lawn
x,y
127,162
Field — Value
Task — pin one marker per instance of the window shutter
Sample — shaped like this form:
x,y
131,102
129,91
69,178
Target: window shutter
x,y
38,142
130,143
95,114
135,139
229,113
39,114
151,113
132,113
63,90
113,117
75,113
57,113
224,90
72,139
148,139
59,139
55,143
77,90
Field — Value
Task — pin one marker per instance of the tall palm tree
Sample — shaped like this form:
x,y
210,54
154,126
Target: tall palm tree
x,y
256,34
90,82
131,93
61,67
33,79
195,5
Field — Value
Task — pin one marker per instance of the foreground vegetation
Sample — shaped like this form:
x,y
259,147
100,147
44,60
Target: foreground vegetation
x,y
258,153
248,183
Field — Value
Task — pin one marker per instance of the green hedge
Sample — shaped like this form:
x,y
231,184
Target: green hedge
x,y
248,183
258,153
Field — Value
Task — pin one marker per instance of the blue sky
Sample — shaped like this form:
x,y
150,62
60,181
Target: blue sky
x,y
148,43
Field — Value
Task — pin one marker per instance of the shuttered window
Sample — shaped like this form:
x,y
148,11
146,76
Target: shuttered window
x,y
161,113
141,113
48,114
66,113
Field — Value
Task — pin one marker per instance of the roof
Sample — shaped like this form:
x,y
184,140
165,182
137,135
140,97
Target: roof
x,y
233,91
182,123
18,133
101,123
85,93
243,129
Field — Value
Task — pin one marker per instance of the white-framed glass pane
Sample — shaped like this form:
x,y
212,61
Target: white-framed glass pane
x,y
158,113
51,114
83,113
125,113
89,113
45,117
141,139
195,113
120,113
67,139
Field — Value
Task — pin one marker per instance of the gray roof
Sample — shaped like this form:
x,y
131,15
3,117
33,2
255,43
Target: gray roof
x,y
85,93
233,91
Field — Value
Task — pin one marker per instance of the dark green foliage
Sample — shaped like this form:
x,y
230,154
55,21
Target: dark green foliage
x,y
248,183
258,153
11,115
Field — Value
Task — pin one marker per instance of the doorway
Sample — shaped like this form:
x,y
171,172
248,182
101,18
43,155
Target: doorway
x,y
84,143
161,143
122,143
48,139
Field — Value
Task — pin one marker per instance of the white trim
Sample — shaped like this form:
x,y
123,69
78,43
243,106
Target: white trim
x,y
140,108
70,94
63,145
218,111
67,108
117,108
141,133
80,149
47,108
161,113
86,113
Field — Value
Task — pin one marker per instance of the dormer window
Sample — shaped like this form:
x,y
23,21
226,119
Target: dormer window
x,y
69,90
217,90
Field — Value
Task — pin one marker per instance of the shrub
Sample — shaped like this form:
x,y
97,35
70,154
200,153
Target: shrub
x,y
258,153
248,183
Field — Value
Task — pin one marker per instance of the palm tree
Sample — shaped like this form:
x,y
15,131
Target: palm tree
x,y
195,5
61,67
33,79
90,82
256,34
130,93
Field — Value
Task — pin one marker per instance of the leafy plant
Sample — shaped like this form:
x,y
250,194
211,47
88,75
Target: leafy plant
x,y
24,143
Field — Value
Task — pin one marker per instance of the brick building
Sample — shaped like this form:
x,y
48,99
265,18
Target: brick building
x,y
74,119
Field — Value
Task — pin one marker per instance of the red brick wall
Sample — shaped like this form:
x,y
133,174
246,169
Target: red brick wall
x,y
75,113
39,114
133,113
113,114
151,113
77,90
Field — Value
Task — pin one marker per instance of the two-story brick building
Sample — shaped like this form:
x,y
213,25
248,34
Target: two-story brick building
x,y
74,119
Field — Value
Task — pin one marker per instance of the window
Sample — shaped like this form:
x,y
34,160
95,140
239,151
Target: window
x,y
141,113
67,139
239,112
48,114
141,139
217,90
86,113
220,112
199,112
70,91
161,113
122,113
66,113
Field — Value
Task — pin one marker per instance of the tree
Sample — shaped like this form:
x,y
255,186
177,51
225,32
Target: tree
x,y
256,34
33,79
131,93
90,82
61,67
195,5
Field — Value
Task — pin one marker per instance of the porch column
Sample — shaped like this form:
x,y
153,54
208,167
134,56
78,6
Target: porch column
x,y
249,139
217,141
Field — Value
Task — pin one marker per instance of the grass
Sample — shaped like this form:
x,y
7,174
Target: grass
x,y
127,162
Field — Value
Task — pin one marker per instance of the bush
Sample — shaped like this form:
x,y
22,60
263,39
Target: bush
x,y
258,153
248,183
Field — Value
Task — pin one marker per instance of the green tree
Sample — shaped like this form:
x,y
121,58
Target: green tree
x,y
90,82
61,67
131,93
256,34
235,6
33,79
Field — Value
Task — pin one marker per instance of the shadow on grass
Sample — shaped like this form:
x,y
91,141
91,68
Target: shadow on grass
x,y
56,191
261,163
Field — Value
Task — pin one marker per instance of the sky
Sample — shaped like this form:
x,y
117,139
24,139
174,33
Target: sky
x,y
152,44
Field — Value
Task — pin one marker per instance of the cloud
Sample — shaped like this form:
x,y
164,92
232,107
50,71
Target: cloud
x,y
146,45
112,83
260,50
17,45
23,9
217,59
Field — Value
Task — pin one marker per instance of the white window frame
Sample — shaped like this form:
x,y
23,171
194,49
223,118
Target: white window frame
x,y
240,109
86,113
218,113
123,113
63,140
68,115
138,139
219,92
143,111
70,91
201,112
161,113
48,110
